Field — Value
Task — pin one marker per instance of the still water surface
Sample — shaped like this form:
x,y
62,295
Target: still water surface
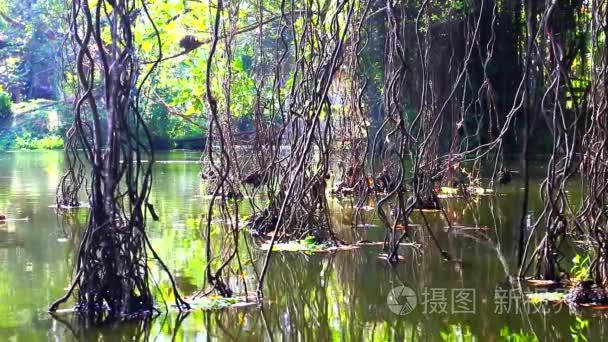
x,y
339,296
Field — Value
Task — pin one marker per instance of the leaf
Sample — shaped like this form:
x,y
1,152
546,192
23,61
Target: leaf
x,y
146,46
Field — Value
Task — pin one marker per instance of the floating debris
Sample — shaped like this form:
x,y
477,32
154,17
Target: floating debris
x,y
217,302
308,245
546,297
450,192
367,225
303,247
540,282
71,207
427,210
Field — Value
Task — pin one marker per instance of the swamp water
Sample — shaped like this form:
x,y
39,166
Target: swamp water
x,y
347,295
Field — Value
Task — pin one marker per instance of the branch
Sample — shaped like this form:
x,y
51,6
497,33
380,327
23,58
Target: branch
x,y
174,111
195,44
50,104
11,21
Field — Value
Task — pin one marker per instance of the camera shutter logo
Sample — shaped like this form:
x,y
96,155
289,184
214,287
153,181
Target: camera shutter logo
x,y
402,300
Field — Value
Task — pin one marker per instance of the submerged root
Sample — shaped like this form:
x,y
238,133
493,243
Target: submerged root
x,y
263,224
428,203
112,279
504,177
587,293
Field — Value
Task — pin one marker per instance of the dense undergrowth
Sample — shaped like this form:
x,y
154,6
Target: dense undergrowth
x,y
34,124
41,124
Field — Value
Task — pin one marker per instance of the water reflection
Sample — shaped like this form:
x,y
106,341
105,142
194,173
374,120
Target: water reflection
x,y
339,296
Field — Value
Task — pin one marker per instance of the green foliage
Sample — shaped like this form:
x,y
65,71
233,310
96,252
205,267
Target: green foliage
x,y
458,333
165,126
6,140
310,242
27,142
213,302
37,124
578,331
31,42
580,267
308,245
5,105
517,336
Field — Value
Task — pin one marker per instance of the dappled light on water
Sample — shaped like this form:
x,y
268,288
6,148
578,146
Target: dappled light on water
x,y
320,296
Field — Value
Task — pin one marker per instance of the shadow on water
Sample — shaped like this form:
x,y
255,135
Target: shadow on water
x,y
335,296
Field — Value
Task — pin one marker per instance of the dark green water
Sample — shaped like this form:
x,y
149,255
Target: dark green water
x,y
340,296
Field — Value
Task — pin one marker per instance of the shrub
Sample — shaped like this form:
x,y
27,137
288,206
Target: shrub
x,y
5,104
27,142
50,142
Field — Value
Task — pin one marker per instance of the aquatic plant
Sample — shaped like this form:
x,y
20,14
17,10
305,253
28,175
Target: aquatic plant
x,y
580,269
579,331
517,336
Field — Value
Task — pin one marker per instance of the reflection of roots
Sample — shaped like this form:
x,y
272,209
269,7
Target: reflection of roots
x,y
138,329
264,222
68,202
547,256
427,203
114,280
587,293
